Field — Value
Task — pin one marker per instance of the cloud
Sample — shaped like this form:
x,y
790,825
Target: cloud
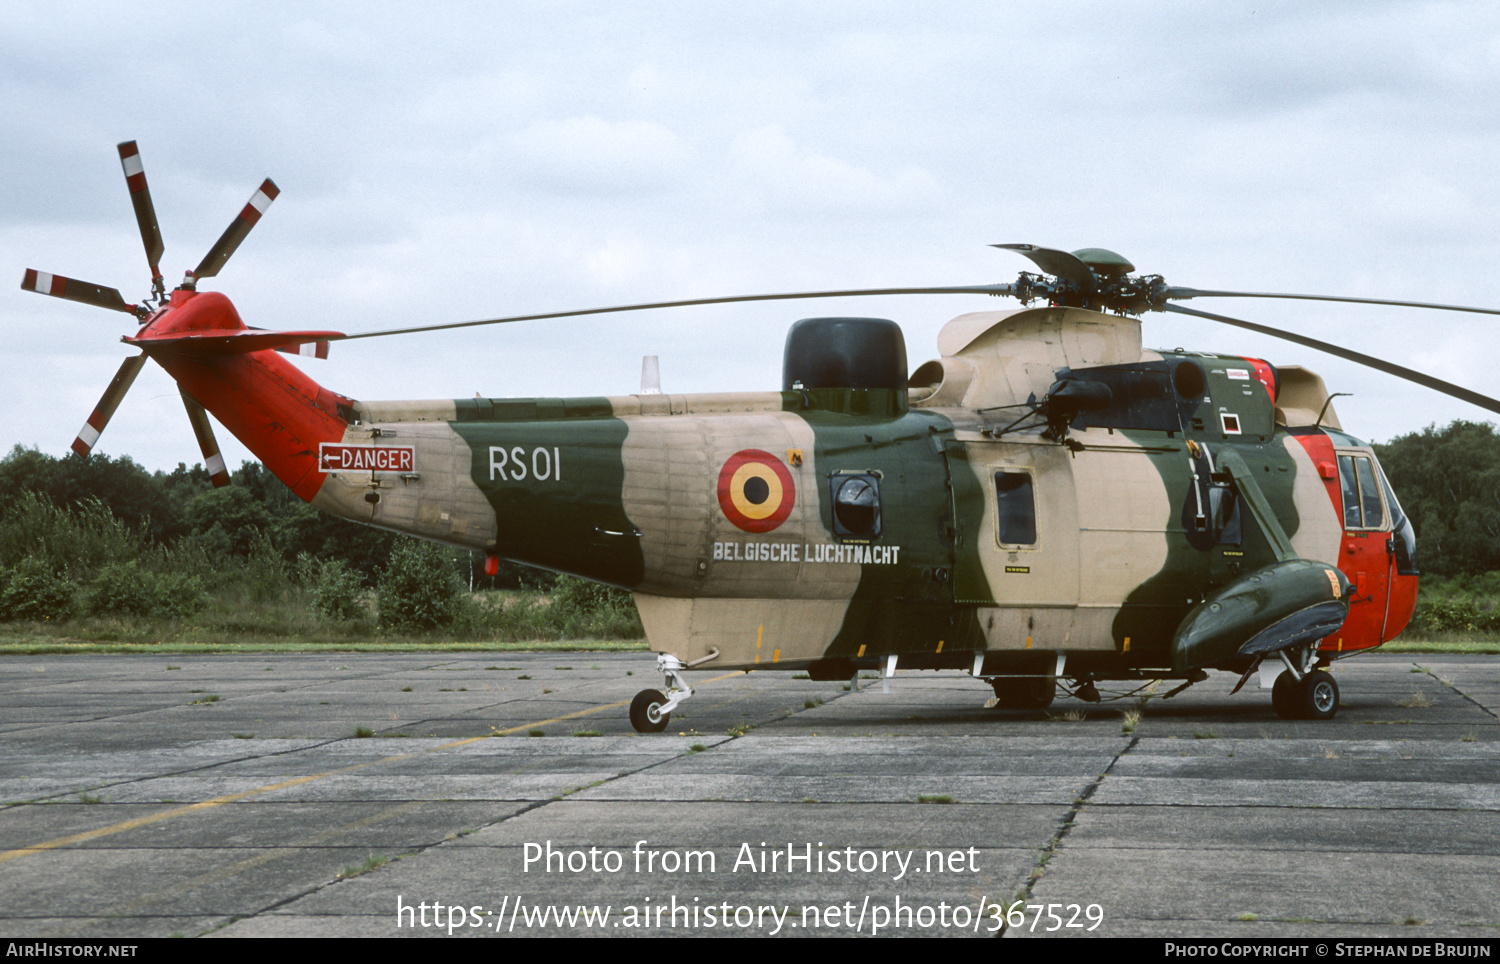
x,y
772,167
592,156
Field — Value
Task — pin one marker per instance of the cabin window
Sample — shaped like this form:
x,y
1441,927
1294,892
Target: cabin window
x,y
1363,508
856,505
1015,509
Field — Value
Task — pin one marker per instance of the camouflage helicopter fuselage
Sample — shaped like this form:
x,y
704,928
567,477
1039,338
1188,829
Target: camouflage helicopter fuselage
x,y
1046,499
834,527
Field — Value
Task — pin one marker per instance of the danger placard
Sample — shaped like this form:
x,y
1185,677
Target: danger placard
x,y
337,457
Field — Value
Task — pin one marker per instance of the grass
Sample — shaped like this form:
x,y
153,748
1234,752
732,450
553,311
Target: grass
x,y
588,733
569,791
210,698
1417,699
536,732
1491,646
363,732
244,736
811,704
1129,721
934,798
372,862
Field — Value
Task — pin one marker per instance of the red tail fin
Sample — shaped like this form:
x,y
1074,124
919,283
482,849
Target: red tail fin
x,y
267,403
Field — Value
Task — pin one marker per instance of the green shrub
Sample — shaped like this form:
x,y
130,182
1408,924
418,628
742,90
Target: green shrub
x,y
337,592
418,591
128,589
1462,603
32,590
1456,615
267,576
581,608
79,541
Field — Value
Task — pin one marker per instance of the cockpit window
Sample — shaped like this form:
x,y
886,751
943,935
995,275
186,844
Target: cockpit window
x,y
1363,508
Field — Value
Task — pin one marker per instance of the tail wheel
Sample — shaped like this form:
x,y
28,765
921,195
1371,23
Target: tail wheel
x,y
645,712
1024,692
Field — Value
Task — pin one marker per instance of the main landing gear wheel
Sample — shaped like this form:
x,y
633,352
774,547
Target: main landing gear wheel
x,y
1283,696
1314,697
1024,692
1318,697
645,712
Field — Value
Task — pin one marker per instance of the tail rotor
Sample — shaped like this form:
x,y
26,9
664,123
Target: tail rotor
x,y
102,296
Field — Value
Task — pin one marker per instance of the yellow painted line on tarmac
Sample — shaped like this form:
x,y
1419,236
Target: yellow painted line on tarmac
x,y
123,826
128,909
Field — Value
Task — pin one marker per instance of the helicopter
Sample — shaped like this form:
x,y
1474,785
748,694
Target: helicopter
x,y
1047,505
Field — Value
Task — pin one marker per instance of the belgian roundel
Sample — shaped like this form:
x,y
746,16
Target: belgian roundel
x,y
756,491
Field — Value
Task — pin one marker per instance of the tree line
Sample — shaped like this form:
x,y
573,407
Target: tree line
x,y
181,508
102,537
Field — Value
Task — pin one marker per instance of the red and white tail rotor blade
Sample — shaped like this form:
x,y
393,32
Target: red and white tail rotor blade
x,y
238,228
145,211
207,444
118,386
74,290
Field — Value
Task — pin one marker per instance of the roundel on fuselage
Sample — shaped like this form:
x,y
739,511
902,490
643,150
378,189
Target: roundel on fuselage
x,y
756,492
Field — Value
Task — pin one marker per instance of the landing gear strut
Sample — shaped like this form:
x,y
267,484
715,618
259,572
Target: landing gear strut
x,y
650,710
1304,693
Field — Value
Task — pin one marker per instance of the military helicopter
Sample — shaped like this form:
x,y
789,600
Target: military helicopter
x,y
1046,505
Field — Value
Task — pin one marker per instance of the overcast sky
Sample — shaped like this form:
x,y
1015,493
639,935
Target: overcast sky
x,y
456,161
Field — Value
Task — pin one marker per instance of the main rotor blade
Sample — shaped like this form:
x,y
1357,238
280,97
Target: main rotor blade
x,y
238,228
145,211
207,444
1426,381
1195,293
1068,267
102,413
74,290
735,299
